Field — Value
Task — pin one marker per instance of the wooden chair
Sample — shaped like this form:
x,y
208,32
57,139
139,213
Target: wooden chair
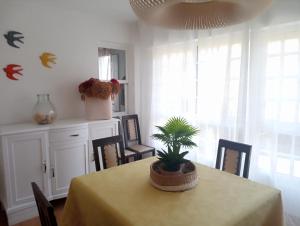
x,y
132,136
3,216
112,152
232,157
46,210
128,154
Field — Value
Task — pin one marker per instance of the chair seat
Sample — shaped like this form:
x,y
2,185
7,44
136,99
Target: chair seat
x,y
129,153
140,148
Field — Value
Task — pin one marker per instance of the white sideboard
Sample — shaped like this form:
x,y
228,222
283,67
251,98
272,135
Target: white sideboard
x,y
50,155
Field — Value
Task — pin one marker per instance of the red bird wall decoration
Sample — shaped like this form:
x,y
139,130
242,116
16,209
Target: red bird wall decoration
x,y
11,70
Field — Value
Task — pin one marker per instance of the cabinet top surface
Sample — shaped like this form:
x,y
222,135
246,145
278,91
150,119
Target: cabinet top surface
x,y
59,124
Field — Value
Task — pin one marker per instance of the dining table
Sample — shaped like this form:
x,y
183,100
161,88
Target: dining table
x,y
124,196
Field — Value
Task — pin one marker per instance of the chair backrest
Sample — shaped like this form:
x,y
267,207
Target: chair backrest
x,y
120,126
232,157
3,215
112,151
46,210
131,129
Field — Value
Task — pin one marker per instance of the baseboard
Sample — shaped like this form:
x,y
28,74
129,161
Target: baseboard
x,y
54,197
21,213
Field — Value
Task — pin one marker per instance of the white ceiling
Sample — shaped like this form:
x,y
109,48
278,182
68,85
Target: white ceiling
x,y
117,9
121,10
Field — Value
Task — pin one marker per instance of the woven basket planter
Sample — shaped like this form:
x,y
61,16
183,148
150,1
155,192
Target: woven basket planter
x,y
184,179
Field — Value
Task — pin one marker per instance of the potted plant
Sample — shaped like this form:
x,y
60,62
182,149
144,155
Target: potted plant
x,y
97,96
172,172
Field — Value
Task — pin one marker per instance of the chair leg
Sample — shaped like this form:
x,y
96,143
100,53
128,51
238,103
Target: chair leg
x,y
140,156
153,153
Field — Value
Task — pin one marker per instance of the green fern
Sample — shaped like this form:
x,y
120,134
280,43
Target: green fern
x,y
176,133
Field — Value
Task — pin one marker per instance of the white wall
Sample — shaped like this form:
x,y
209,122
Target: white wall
x,y
73,36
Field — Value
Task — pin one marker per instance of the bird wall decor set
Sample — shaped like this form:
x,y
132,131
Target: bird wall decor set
x,y
15,39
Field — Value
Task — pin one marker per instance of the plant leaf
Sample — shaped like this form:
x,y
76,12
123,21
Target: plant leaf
x,y
176,133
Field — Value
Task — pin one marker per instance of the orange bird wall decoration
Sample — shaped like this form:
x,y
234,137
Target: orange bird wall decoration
x,y
47,58
11,70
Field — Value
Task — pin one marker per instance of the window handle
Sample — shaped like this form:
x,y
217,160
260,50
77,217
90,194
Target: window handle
x,y
44,167
53,172
74,135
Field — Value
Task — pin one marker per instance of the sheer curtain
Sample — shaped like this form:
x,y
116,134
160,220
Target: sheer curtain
x,y
104,63
273,112
199,79
241,84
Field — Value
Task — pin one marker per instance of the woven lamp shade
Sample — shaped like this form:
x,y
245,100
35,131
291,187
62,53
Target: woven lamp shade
x,y
197,14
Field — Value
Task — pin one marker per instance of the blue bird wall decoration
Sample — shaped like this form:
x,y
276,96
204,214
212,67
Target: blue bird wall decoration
x,y
12,37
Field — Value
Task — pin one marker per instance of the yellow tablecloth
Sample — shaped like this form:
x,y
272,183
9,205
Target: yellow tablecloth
x,y
123,196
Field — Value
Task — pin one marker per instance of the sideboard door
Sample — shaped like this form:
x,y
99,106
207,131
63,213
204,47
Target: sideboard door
x,y
68,158
27,162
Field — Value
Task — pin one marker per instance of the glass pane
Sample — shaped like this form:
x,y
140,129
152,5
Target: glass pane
x,y
236,50
273,66
291,45
271,110
222,51
274,47
297,146
290,88
119,102
288,111
233,89
297,168
112,64
232,108
266,142
299,113
264,163
235,68
283,165
291,65
272,89
284,143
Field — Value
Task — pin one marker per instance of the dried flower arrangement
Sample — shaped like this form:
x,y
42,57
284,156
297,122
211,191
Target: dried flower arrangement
x,y
99,89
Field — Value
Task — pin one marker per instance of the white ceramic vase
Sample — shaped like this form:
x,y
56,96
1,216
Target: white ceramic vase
x,y
96,108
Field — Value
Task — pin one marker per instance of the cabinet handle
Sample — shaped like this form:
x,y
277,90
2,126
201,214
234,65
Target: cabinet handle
x,y
53,172
74,135
44,166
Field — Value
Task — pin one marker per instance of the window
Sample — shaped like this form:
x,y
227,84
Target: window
x,y
282,81
243,87
232,95
200,80
282,101
220,83
112,65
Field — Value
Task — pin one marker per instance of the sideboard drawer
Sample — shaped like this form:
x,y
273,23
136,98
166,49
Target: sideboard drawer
x,y
68,135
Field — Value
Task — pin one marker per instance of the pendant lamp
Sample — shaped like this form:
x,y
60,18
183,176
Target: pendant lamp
x,y
197,14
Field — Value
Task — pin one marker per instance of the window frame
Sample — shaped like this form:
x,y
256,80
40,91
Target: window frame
x,y
125,83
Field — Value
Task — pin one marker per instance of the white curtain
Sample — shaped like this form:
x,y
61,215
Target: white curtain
x,y
199,79
241,84
273,112
105,64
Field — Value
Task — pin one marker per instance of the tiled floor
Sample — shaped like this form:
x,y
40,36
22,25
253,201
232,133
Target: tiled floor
x,y
58,206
